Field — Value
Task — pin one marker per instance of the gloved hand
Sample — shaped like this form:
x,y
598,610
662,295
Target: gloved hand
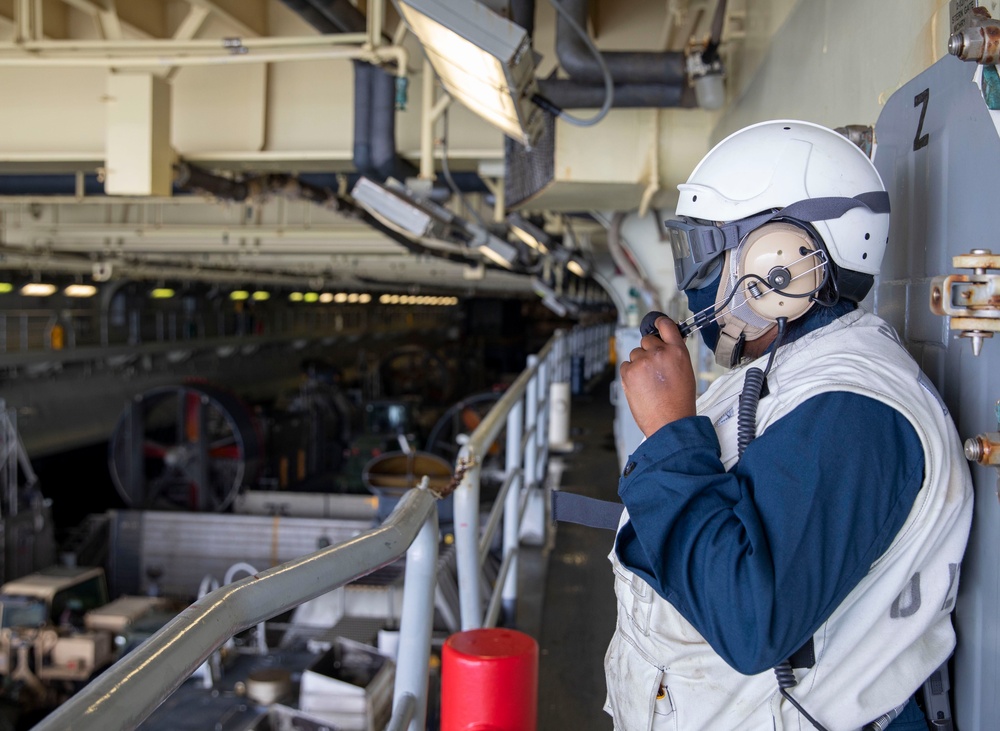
x,y
658,380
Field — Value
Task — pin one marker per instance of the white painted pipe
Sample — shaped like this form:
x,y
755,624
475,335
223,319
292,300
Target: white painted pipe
x,y
559,398
379,55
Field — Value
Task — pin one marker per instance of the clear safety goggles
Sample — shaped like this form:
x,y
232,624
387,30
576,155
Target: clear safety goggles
x,y
696,247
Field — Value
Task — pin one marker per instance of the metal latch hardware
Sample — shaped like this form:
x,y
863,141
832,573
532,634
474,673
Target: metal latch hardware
x,y
972,301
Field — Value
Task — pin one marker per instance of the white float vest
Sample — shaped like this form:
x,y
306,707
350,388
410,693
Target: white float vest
x,y
887,636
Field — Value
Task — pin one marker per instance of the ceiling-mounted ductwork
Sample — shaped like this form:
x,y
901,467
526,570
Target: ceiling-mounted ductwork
x,y
559,171
641,78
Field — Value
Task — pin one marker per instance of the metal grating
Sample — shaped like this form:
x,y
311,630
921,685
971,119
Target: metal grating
x,y
527,172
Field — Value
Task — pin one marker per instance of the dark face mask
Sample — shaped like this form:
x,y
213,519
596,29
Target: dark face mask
x,y
704,297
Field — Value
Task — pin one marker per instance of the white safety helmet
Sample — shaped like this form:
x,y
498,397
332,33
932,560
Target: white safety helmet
x,y
772,165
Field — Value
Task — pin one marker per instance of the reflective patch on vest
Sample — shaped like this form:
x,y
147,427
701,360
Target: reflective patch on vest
x,y
928,386
951,594
727,416
889,332
908,601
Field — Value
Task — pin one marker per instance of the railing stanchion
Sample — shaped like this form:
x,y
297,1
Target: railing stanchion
x,y
466,514
417,620
512,508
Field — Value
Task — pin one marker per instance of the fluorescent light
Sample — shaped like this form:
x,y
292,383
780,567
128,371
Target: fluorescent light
x,y
311,297
162,293
261,296
384,299
353,298
484,61
364,298
498,251
419,218
295,297
340,298
239,295
38,289
6,287
326,298
529,233
80,290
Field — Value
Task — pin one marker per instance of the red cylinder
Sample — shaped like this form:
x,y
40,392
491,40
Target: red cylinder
x,y
489,681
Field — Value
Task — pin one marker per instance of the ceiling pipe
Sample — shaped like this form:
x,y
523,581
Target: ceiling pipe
x,y
375,153
382,101
522,13
572,94
627,67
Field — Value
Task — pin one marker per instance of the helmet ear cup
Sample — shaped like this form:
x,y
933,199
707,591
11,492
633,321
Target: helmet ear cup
x,y
782,260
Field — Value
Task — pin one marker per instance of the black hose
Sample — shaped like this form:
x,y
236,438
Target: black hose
x,y
746,424
786,679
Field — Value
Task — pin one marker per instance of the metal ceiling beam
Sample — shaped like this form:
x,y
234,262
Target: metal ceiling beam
x,y
241,26
105,15
192,23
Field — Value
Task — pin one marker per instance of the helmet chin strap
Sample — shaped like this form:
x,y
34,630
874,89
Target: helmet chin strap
x,y
729,348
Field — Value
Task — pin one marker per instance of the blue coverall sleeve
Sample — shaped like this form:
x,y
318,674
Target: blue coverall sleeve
x,y
756,558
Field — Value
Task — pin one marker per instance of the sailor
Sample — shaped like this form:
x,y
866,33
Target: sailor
x,y
804,519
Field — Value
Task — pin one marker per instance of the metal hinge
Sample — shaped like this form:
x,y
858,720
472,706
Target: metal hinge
x,y
972,301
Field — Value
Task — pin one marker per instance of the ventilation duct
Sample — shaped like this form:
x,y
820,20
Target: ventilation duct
x,y
559,174
626,67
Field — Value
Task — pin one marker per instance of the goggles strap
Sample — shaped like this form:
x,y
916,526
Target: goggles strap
x,y
809,210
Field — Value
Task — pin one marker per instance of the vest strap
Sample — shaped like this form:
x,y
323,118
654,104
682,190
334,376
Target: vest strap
x,y
569,507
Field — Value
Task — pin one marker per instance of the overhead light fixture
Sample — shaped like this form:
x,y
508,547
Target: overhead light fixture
x,y
295,297
261,296
497,250
326,298
384,299
311,297
239,295
364,298
398,207
484,60
161,293
80,290
38,289
576,266
340,298
6,287
529,233
553,301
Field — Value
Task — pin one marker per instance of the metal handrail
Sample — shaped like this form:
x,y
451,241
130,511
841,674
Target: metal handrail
x,y
124,695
